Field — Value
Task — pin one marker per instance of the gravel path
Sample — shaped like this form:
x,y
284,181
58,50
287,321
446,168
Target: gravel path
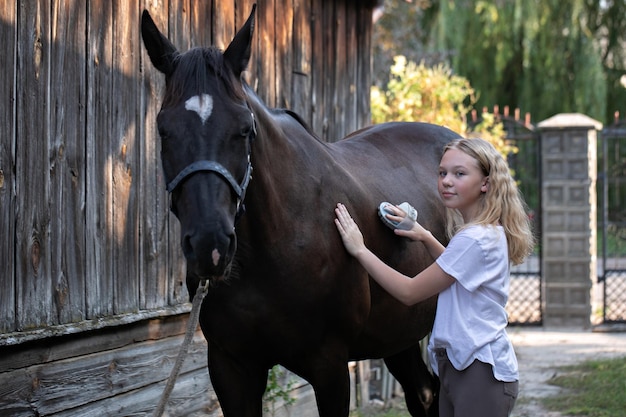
x,y
540,352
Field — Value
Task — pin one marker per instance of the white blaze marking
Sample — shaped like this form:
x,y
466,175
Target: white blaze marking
x,y
203,105
216,256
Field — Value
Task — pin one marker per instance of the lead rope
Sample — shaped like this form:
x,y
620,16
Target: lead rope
x,y
203,288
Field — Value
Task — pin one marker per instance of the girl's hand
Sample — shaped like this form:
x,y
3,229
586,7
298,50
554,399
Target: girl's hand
x,y
350,234
417,232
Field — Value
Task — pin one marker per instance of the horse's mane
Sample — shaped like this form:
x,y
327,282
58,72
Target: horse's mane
x,y
194,71
300,120
280,111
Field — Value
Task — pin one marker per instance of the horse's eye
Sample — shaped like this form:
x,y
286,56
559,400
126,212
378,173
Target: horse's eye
x,y
245,131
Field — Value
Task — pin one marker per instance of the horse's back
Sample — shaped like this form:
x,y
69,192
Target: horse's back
x,y
397,142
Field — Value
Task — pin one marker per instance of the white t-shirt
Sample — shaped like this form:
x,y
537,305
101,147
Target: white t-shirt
x,y
471,318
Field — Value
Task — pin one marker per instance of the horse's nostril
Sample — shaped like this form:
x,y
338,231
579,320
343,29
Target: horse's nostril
x,y
216,256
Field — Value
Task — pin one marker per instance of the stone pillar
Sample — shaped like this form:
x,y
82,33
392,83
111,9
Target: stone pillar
x,y
568,146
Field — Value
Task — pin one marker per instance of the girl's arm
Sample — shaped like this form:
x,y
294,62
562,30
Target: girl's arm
x,y
409,291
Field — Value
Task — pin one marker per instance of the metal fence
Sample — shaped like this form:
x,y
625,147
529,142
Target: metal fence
x,y
612,222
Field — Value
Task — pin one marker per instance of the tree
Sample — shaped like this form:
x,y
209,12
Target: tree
x,y
544,56
402,28
605,19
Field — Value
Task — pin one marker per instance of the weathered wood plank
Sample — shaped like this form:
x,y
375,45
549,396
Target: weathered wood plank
x,y
222,24
364,76
329,57
99,200
201,31
351,48
67,159
154,208
265,58
32,168
124,156
63,385
283,41
8,35
57,348
193,396
302,57
317,69
340,75
178,24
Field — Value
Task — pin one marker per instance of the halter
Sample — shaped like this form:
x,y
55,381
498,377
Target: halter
x,y
213,166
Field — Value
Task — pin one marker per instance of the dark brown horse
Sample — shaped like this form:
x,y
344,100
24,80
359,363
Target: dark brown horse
x,y
283,289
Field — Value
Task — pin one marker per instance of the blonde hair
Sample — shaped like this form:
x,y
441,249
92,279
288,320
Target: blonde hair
x,y
501,204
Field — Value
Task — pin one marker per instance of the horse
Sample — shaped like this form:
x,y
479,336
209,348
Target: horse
x,y
254,190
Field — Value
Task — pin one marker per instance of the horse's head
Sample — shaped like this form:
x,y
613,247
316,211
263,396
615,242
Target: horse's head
x,y
206,131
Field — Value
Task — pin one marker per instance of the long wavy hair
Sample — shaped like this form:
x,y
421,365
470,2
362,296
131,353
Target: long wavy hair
x,y
502,204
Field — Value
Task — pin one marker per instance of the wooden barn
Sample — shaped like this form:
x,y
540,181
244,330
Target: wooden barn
x,y
92,298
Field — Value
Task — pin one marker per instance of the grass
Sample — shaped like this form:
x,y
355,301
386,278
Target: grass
x,y
394,408
381,413
592,389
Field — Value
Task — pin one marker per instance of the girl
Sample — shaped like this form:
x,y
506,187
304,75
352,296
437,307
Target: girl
x,y
488,226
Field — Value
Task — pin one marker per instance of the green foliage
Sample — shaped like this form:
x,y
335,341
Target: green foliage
x,y
415,92
277,390
594,389
403,28
434,95
545,57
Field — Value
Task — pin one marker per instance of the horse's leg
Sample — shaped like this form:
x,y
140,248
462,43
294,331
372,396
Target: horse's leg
x,y
327,372
332,391
421,388
239,388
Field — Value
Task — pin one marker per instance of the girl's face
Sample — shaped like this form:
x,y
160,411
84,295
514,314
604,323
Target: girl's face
x,y
461,183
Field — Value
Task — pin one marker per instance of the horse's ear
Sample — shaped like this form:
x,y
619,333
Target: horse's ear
x,y
238,52
160,49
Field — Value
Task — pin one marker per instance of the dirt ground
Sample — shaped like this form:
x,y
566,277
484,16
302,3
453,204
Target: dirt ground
x,y
541,351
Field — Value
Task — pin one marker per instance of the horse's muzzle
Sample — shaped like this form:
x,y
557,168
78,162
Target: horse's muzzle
x,y
208,255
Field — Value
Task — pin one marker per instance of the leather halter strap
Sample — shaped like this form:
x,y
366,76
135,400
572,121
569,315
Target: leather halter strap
x,y
213,166
216,167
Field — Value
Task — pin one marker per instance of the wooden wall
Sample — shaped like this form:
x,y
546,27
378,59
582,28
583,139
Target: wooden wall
x,y
88,246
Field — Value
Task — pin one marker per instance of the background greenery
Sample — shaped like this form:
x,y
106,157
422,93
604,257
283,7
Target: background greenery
x,y
542,56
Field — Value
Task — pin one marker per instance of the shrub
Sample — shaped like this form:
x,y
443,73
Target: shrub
x,y
433,95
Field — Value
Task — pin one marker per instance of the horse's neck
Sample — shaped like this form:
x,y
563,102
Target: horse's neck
x,y
286,159
282,137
